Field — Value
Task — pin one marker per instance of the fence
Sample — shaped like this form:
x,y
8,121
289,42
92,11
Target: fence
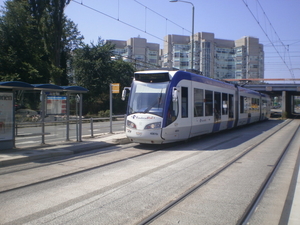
x,y
60,129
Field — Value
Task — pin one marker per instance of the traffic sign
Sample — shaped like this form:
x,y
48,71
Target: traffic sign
x,y
115,88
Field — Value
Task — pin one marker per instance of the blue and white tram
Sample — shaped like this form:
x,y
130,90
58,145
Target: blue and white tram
x,y
167,106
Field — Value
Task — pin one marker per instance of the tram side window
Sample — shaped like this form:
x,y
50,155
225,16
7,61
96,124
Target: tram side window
x,y
264,107
208,103
231,105
172,112
242,104
217,105
264,104
184,102
224,104
198,102
247,105
255,105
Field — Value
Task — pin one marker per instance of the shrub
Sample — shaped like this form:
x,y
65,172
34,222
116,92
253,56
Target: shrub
x,y
103,113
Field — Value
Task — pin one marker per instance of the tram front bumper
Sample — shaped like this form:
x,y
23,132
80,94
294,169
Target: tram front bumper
x,y
152,136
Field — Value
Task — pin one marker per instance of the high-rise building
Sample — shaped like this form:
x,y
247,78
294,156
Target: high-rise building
x,y
138,51
249,58
215,58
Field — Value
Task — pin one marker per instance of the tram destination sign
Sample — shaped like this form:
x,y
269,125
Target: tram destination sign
x,y
152,77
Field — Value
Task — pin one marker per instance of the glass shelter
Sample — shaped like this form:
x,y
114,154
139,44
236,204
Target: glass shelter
x,y
37,105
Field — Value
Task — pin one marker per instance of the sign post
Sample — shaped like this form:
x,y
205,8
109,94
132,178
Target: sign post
x,y
114,88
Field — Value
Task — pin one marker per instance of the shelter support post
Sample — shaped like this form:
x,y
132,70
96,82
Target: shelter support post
x,y
43,114
283,103
14,119
68,118
80,118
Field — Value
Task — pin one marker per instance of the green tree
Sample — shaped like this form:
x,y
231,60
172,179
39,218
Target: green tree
x,y
36,41
71,40
95,70
91,66
22,52
51,20
123,74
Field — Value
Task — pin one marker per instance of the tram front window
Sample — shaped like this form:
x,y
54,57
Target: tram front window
x,y
147,98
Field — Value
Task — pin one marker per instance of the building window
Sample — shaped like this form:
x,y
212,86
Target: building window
x,y
184,64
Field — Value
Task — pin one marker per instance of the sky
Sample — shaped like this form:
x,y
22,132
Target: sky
x,y
275,22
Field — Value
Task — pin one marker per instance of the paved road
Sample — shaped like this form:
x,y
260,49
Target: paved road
x,y
31,136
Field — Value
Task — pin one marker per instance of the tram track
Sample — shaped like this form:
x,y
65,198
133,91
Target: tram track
x,y
69,174
253,205
58,159
154,149
139,186
46,164
53,162
256,199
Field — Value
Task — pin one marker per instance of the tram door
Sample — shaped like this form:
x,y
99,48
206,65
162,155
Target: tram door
x,y
217,111
185,117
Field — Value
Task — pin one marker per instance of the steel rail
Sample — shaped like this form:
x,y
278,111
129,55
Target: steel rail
x,y
197,186
259,195
159,148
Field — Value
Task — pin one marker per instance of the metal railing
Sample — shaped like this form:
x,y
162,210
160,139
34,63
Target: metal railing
x,y
40,125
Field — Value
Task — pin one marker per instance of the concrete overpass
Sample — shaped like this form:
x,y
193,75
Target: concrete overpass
x,y
287,93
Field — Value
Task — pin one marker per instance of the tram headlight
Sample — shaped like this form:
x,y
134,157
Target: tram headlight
x,y
153,125
131,124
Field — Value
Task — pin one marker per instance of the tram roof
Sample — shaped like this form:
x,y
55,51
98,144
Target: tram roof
x,y
202,79
177,75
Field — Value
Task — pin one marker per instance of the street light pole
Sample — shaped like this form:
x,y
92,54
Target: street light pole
x,y
193,19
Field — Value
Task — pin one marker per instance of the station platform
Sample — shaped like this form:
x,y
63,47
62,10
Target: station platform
x,y
29,154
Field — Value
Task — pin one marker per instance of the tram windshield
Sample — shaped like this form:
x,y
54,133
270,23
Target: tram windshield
x,y
147,98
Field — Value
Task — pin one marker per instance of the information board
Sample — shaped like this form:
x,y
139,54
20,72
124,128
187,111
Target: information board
x,y
56,105
6,116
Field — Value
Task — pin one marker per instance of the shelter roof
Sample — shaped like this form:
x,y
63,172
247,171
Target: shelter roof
x,y
19,85
49,87
15,85
74,89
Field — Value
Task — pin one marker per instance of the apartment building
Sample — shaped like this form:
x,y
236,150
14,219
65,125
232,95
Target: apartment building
x,y
215,58
137,51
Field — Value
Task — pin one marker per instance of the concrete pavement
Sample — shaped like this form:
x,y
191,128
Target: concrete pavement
x,y
28,154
